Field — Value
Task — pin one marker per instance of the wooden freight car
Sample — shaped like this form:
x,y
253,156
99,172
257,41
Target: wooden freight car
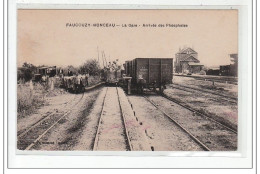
x,y
112,77
150,73
75,84
43,74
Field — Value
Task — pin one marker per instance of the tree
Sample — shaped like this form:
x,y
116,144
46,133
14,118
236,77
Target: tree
x,y
30,66
27,71
90,66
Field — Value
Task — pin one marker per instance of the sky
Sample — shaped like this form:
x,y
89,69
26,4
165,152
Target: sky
x,y
47,36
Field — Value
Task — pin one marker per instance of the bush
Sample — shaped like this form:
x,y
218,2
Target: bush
x,y
93,80
28,100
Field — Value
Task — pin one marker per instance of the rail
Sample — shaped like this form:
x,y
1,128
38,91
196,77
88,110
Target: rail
x,y
200,113
185,130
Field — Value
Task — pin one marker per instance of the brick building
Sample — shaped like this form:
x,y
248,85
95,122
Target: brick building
x,y
186,61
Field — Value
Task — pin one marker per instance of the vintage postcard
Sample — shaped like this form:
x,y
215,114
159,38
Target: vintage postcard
x,y
127,80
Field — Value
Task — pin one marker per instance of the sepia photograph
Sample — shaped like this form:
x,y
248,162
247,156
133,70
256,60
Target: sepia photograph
x,y
127,80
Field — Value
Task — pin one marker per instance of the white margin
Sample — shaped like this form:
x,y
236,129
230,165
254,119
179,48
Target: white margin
x,y
141,161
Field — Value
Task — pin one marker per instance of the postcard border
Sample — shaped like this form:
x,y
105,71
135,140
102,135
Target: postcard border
x,y
112,168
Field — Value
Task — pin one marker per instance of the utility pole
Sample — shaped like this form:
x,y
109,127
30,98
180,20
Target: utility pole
x,y
105,57
98,56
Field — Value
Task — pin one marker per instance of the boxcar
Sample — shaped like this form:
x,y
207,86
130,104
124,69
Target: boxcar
x,y
149,72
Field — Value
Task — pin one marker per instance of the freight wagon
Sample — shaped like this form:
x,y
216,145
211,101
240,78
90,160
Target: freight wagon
x,y
75,84
150,73
112,77
43,74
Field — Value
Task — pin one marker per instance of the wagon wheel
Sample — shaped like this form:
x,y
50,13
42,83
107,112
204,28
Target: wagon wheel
x,y
141,89
82,88
154,88
161,89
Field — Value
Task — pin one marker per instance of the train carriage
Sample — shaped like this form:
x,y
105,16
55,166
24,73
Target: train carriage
x,y
113,77
75,83
43,73
149,73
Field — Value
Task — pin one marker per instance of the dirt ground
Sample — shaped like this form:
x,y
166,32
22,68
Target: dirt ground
x,y
211,104
227,89
111,136
162,134
109,128
212,135
148,129
137,134
53,104
64,135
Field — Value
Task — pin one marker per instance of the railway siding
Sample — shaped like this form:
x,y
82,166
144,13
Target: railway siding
x,y
137,137
212,106
87,139
220,88
207,93
220,79
162,134
54,105
63,132
34,127
111,131
213,135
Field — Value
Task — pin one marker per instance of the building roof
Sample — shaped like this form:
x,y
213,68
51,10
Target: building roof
x,y
235,56
195,64
189,58
44,67
214,68
153,58
50,67
187,50
224,65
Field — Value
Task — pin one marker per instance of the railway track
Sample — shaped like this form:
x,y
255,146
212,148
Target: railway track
x,y
111,125
223,132
223,80
201,114
51,119
208,133
99,123
180,126
191,89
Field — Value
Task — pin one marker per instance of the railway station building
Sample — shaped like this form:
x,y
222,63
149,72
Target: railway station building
x,y
186,61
